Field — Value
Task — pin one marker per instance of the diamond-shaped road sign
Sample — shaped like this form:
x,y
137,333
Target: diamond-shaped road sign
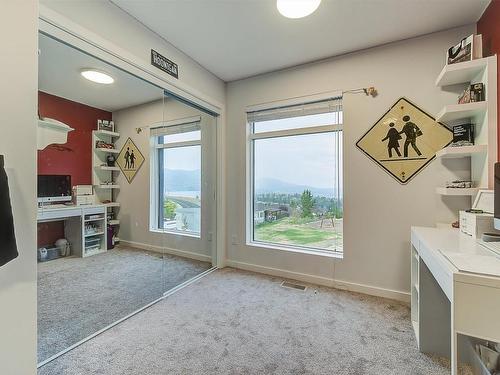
x,y
130,160
404,140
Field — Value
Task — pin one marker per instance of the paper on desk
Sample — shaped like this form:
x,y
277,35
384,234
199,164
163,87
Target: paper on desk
x,y
474,263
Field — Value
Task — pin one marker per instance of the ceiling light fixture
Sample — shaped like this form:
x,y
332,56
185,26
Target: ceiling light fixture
x,y
297,8
97,76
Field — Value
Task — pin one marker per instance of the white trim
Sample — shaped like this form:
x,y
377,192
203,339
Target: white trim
x,y
219,259
177,233
167,250
297,131
181,121
294,101
249,184
296,249
154,184
324,281
177,144
154,176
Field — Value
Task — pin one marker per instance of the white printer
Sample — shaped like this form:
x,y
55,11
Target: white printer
x,y
475,224
83,195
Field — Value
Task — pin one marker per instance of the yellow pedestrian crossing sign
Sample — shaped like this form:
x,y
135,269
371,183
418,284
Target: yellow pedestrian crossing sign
x,y
404,140
130,160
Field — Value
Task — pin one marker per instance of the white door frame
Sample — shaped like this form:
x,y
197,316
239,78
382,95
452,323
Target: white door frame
x,y
59,27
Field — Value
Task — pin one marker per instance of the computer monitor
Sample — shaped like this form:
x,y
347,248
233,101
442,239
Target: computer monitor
x,y
54,188
497,197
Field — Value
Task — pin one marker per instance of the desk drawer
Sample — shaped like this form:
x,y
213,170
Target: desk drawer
x,y
58,214
477,310
94,210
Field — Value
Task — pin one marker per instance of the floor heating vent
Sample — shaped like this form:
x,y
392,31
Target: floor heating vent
x,y
287,284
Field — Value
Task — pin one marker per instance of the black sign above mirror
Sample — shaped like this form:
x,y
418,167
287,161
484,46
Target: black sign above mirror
x,y
162,63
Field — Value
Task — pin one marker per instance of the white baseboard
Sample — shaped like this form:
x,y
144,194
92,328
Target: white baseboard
x,y
324,281
162,249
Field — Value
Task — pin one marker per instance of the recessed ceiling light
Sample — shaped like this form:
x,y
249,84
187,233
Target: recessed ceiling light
x,y
97,76
297,8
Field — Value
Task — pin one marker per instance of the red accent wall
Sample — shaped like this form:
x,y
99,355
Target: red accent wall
x,y
489,26
72,158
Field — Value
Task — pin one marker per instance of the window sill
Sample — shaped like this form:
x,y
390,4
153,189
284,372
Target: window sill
x,y
164,231
322,253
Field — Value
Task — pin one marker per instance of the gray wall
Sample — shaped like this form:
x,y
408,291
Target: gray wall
x,y
18,98
378,210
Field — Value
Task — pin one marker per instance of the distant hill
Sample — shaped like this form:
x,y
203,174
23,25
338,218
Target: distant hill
x,y
182,180
185,180
273,185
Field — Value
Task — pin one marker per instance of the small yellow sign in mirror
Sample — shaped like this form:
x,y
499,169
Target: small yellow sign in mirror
x,y
130,160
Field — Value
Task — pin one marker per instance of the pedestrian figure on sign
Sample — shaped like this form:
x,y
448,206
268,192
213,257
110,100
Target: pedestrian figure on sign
x,y
127,158
393,137
411,131
132,160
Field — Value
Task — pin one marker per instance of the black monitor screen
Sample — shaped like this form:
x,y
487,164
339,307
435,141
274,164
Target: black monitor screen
x,y
54,186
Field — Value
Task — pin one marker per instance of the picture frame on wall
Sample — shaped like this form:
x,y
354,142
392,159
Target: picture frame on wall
x,y
107,125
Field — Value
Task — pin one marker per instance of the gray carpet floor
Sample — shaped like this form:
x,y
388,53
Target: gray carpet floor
x,y
77,297
236,322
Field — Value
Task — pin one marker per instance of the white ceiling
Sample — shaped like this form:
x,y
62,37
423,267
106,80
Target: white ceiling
x,y
59,74
240,38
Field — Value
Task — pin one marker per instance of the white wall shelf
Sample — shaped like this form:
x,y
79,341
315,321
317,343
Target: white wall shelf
x,y
50,131
94,234
91,220
465,192
463,72
483,115
453,112
107,133
108,150
112,204
462,151
102,174
106,168
108,186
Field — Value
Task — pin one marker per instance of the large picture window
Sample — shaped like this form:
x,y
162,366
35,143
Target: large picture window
x,y
176,181
296,176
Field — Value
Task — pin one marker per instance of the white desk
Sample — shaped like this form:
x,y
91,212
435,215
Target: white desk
x,y
75,218
451,308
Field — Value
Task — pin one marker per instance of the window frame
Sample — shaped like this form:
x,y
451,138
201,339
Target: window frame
x,y
156,175
250,183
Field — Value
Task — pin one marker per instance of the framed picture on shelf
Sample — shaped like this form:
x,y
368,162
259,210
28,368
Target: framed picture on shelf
x,y
467,49
107,125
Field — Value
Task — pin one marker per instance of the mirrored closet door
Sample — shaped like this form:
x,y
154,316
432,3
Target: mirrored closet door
x,y
126,192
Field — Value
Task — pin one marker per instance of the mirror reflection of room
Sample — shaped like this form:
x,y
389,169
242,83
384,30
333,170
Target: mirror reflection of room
x,y
104,252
